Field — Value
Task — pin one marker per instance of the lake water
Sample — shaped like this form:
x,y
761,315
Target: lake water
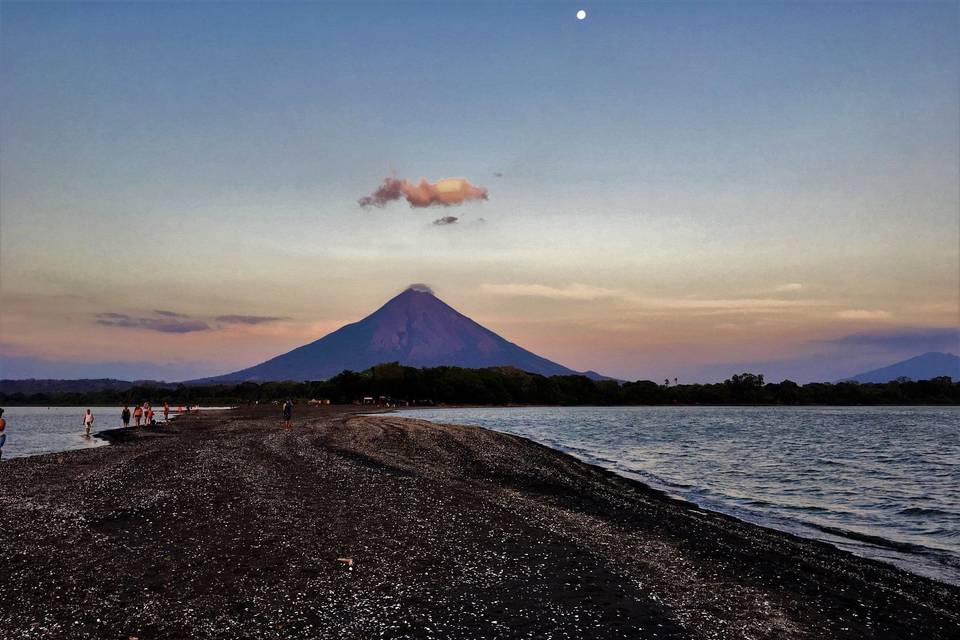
x,y
36,430
882,482
33,430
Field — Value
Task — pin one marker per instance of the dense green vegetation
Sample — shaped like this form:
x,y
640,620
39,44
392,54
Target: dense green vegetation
x,y
453,385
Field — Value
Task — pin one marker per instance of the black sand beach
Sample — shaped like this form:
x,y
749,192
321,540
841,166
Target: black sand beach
x,y
223,526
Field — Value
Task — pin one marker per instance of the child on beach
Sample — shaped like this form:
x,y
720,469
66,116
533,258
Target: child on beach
x,y
287,413
166,411
125,416
3,432
137,414
87,422
149,415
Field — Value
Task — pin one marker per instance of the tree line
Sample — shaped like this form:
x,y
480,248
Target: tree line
x,y
398,384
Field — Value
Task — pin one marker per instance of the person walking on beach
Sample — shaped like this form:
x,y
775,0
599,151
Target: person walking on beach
x,y
166,411
3,433
149,415
125,416
287,413
87,423
137,414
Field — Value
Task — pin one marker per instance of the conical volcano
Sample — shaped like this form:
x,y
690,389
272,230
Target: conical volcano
x,y
416,329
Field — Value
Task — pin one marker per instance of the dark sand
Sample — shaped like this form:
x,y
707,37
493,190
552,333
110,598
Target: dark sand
x,y
224,526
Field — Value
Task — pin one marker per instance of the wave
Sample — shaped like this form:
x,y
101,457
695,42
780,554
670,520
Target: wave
x,y
879,541
923,511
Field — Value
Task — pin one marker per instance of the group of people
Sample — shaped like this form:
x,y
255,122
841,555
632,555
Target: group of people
x,y
143,413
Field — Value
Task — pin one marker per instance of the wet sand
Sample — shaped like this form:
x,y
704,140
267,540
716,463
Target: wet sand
x,y
224,526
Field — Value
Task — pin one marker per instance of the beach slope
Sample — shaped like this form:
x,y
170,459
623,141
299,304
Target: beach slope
x,y
224,526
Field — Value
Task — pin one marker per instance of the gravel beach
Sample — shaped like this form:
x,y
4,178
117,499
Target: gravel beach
x,y
222,525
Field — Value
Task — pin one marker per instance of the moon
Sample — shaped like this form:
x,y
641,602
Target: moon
x,y
581,14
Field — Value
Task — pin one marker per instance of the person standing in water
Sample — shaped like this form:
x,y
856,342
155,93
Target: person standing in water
x,y
287,413
3,432
125,416
87,423
137,414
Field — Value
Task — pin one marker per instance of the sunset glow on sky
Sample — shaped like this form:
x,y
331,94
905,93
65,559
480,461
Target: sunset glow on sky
x,y
673,190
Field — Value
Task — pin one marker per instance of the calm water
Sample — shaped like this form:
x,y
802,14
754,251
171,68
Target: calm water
x,y
35,430
880,482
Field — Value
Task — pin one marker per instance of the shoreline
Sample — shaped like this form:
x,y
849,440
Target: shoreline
x,y
303,401
933,562
466,530
119,435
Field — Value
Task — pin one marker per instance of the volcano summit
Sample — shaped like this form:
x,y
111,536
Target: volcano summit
x,y
416,329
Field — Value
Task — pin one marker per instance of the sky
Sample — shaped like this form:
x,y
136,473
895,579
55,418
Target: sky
x,y
671,189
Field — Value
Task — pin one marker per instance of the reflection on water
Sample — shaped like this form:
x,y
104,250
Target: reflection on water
x,y
878,481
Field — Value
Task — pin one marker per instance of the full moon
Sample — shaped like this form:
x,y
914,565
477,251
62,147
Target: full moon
x,y
581,14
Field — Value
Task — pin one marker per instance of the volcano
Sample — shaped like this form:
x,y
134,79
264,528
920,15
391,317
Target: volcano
x,y
416,329
923,367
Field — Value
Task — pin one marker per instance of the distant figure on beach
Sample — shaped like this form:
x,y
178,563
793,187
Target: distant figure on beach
x,y
287,412
150,421
137,414
87,422
125,416
166,411
3,432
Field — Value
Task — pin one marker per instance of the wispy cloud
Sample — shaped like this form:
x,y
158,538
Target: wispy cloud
x,y
863,314
170,314
162,325
701,305
790,286
569,292
250,320
906,339
721,304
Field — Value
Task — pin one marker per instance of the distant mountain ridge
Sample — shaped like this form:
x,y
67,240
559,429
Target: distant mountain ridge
x,y
29,386
415,328
923,367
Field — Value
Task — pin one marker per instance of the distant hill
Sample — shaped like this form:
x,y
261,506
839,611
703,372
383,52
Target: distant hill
x,y
30,386
922,367
391,383
415,329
